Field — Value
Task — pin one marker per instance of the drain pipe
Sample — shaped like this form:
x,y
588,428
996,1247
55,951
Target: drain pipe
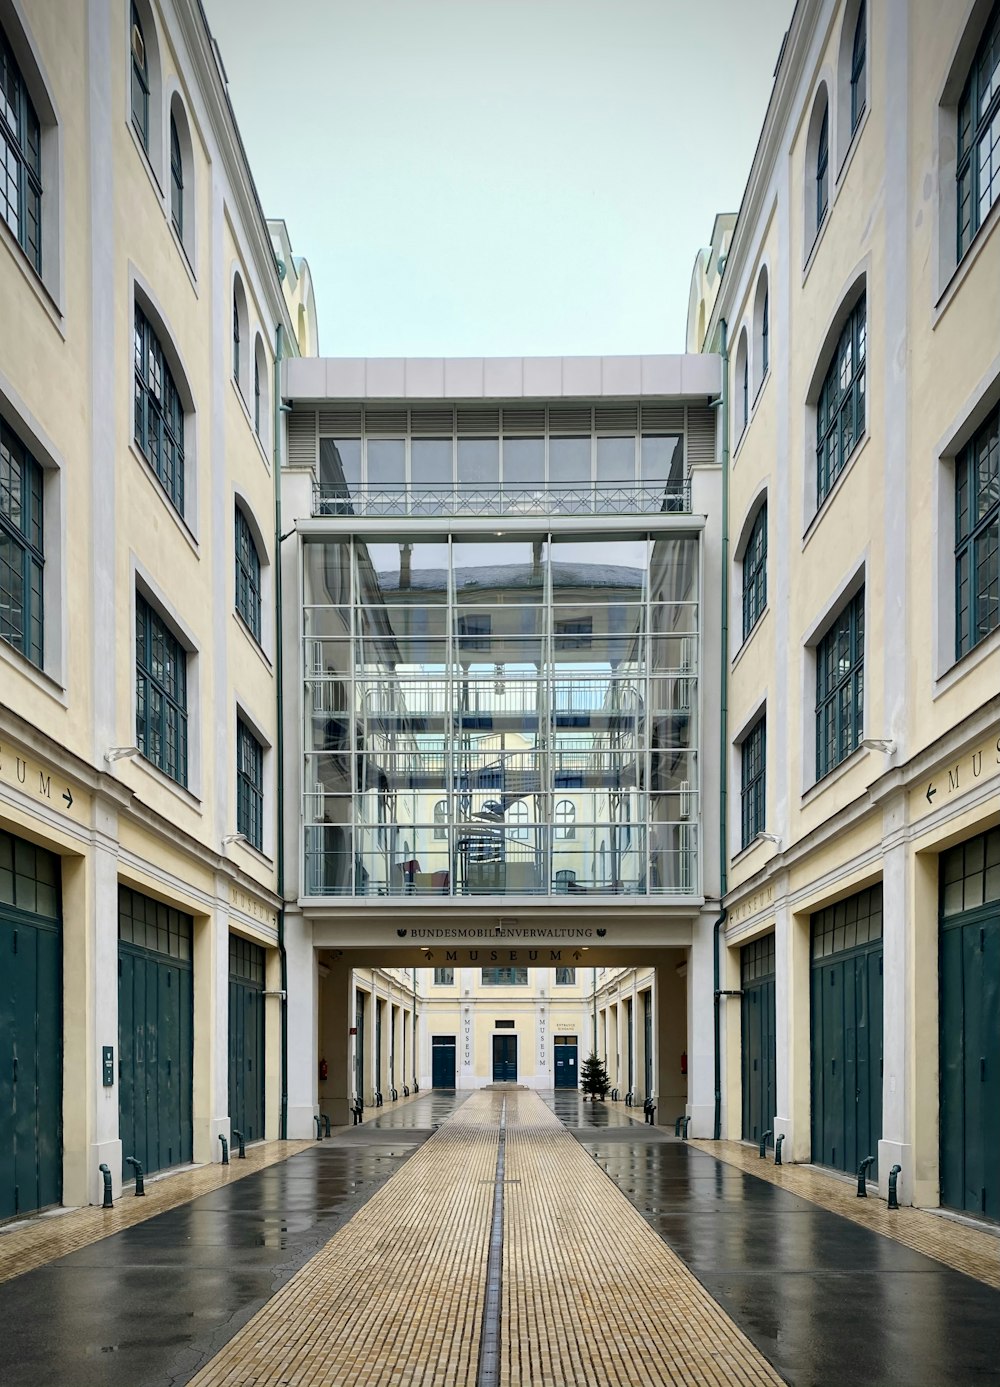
x,y
280,750
723,404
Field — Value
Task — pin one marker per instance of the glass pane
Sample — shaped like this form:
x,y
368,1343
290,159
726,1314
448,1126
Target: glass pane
x,y
386,462
430,462
616,459
479,461
569,460
524,461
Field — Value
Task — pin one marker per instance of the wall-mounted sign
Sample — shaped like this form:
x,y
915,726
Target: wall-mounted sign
x,y
504,1025
108,1065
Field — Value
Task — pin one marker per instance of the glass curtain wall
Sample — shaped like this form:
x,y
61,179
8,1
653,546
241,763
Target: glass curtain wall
x,y
501,716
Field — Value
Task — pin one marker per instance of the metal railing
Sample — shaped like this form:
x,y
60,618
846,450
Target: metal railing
x,y
556,498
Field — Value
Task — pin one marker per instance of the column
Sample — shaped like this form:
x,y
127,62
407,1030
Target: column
x,y
701,1028
303,1054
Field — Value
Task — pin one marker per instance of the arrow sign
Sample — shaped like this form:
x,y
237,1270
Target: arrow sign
x,y
68,797
931,792
576,954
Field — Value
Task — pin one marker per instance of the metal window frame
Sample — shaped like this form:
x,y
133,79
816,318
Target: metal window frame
x,y
248,584
755,572
140,75
18,142
859,54
972,527
828,691
28,539
176,180
150,626
823,168
158,426
834,401
969,141
753,781
249,785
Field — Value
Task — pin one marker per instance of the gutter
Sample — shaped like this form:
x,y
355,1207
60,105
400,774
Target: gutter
x,y
280,749
723,735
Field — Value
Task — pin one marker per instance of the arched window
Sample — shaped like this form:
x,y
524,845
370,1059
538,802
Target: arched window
x,y
176,181
159,414
840,410
565,819
755,572
858,54
816,180
20,159
517,818
441,819
140,80
248,586
182,182
761,332
823,170
236,340
260,391
742,390
978,171
241,338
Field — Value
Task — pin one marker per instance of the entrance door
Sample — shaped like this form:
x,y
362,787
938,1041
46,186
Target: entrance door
x,y
847,1031
647,1036
30,1029
359,1045
629,1044
505,1059
443,1061
759,1048
246,1038
566,1057
155,997
379,1008
970,1027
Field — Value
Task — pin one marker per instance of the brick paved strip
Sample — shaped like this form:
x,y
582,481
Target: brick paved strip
x,y
974,1251
591,1294
25,1246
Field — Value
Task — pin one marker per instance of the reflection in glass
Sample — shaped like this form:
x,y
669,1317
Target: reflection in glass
x,y
524,462
479,462
616,459
569,460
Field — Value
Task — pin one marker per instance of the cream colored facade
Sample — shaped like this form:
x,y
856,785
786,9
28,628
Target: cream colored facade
x,y
922,771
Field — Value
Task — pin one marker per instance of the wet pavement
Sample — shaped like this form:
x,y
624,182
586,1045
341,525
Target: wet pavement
x,y
825,1300
147,1307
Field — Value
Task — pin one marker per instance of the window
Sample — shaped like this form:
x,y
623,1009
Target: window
x,y
753,782
22,552
441,819
765,360
840,412
505,977
978,171
565,819
977,537
517,819
161,693
176,181
20,159
858,55
159,415
840,682
256,396
823,169
247,576
249,786
444,977
565,977
260,415
755,573
236,339
742,403
140,81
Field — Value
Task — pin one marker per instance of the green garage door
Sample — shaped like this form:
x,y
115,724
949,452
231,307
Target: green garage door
x,y
155,1007
759,1048
246,1038
30,1028
846,1023
970,1026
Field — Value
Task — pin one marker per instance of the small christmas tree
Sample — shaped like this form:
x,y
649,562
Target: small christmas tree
x,y
594,1077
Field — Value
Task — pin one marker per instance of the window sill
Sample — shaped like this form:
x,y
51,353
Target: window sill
x,y
969,662
258,854
739,442
175,516
42,681
250,423
760,390
817,240
185,258
145,160
254,642
832,776
964,266
750,848
35,281
185,795
845,472
852,145
749,637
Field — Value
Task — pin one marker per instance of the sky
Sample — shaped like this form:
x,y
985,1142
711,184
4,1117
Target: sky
x,y
500,177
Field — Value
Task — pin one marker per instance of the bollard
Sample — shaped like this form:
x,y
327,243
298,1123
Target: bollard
x,y
677,1125
416,1086
106,1172
628,1099
326,1123
394,1094
763,1141
357,1111
406,1090
893,1175
649,1108
225,1149
777,1148
687,1124
862,1172
319,1127
140,1188
239,1137
378,1099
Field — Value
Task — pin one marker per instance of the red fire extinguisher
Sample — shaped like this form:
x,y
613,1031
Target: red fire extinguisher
x,y
684,1062
324,1070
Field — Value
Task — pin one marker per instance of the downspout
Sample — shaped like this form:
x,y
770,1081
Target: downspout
x,y
723,734
283,956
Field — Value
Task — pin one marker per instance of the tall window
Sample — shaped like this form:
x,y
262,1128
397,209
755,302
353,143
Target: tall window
x,y
840,683
840,413
159,415
176,180
517,819
977,537
444,977
256,396
140,81
161,693
755,573
20,159
236,340
823,169
746,389
753,782
247,576
979,136
249,785
565,819
765,359
22,555
505,977
565,977
858,70
441,819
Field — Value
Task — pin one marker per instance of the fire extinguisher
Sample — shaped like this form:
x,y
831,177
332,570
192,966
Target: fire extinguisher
x,y
684,1062
324,1070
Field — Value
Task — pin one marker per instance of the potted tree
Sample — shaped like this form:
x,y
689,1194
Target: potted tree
x,y
594,1079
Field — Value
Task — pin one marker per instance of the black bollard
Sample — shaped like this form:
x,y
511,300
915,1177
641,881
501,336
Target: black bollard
x,y
777,1148
862,1172
894,1173
319,1127
326,1123
225,1149
140,1188
687,1124
242,1153
763,1141
106,1172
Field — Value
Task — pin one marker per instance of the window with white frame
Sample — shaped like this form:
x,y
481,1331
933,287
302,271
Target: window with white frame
x,y
441,819
565,819
517,819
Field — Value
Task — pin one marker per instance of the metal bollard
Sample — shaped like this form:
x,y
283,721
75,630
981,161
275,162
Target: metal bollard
x,y
416,1086
225,1149
677,1125
106,1172
862,1172
378,1099
319,1127
763,1141
357,1111
628,1099
777,1148
893,1175
242,1153
140,1188
394,1094
687,1124
406,1090
324,1118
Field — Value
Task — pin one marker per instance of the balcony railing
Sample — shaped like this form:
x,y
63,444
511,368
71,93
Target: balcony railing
x,y
557,498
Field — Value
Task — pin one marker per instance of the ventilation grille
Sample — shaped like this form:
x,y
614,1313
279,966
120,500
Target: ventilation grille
x,y
432,423
478,419
662,418
340,423
700,436
524,421
570,419
385,423
302,438
616,418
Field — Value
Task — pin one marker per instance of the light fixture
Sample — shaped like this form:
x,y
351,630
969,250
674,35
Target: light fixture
x,y
770,838
234,838
121,753
885,744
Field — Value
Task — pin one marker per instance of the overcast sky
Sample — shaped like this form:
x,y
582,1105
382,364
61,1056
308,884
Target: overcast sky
x,y
500,177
